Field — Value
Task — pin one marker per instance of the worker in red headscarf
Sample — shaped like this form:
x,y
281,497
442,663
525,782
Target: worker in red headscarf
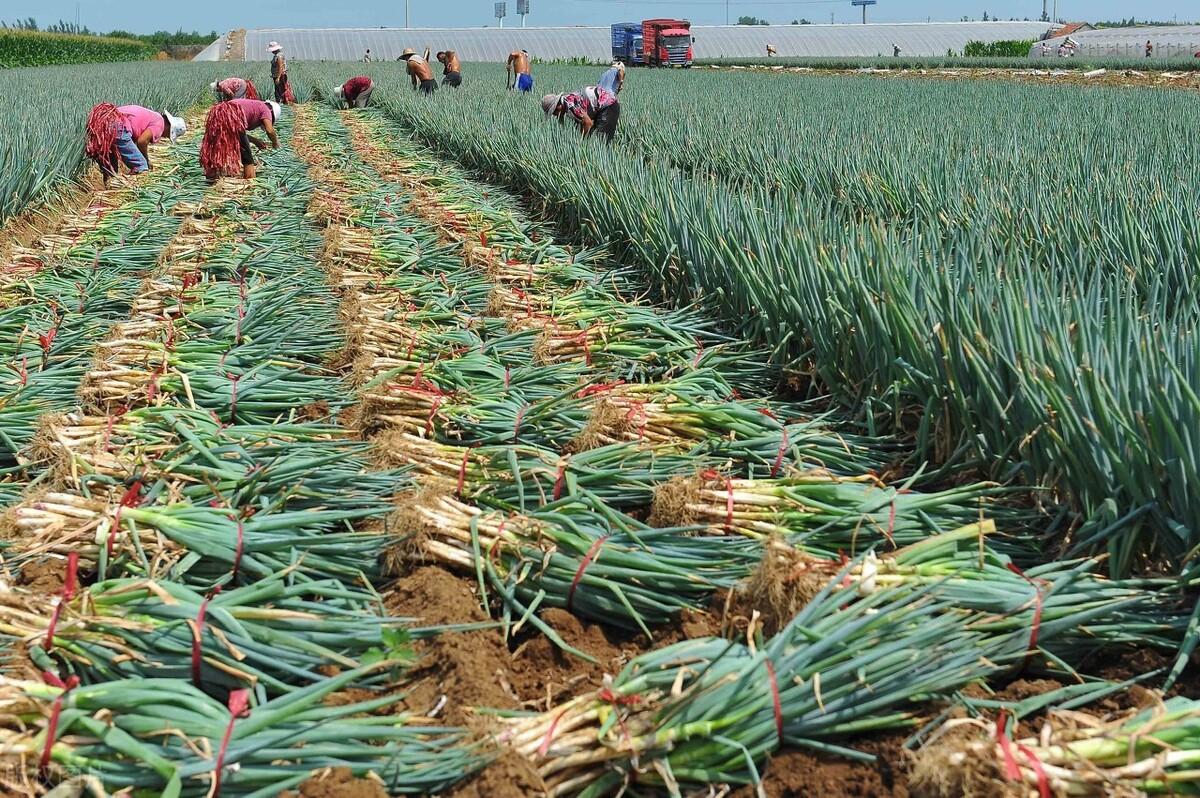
x,y
124,135
234,89
225,150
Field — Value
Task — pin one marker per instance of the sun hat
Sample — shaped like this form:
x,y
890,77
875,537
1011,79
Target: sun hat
x,y
550,102
274,47
178,126
213,85
276,110
408,53
339,92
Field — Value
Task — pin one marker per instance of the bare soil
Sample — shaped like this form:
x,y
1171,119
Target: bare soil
x,y
337,783
459,671
801,773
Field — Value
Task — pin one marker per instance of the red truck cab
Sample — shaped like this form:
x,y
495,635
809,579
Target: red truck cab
x,y
667,42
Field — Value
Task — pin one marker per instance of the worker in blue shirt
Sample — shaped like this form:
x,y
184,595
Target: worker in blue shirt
x,y
614,78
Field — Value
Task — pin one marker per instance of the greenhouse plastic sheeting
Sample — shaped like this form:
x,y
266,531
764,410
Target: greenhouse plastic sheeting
x,y
1173,41
551,44
213,52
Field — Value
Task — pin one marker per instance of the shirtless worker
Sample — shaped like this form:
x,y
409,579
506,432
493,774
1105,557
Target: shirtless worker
x,y
451,68
520,75
419,72
355,93
124,135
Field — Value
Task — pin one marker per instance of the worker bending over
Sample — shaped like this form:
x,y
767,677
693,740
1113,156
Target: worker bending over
x,y
234,89
451,68
520,74
124,135
613,80
419,72
355,93
227,139
596,110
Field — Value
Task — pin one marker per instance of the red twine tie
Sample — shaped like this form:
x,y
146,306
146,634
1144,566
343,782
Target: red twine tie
x,y
1012,771
728,505
775,700
560,478
131,498
239,701
549,738
237,552
1037,610
507,378
517,425
233,393
783,447
197,637
68,593
437,403
592,555
56,710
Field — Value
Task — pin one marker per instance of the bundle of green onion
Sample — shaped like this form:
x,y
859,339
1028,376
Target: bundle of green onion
x,y
165,737
272,636
855,659
575,554
823,512
1153,752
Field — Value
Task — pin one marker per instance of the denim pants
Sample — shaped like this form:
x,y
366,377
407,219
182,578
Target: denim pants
x,y
131,156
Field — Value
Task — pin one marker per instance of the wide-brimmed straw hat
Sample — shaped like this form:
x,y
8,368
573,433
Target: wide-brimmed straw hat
x,y
550,102
273,47
408,53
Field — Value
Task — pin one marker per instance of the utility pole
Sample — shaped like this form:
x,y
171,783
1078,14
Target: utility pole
x,y
726,13
406,14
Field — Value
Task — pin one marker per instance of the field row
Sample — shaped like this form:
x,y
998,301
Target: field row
x,y
1038,327
246,418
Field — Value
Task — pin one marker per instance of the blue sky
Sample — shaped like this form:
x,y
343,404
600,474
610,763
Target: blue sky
x,y
147,15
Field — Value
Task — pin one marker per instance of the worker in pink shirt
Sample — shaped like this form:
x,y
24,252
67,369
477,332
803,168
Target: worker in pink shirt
x,y
124,135
262,116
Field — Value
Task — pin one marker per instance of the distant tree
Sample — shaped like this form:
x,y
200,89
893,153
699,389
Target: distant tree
x,y
62,26
21,24
752,21
985,17
801,21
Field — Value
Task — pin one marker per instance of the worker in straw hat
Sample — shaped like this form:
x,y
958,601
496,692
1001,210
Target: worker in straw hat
x,y
419,72
614,78
595,110
279,75
234,89
354,93
123,135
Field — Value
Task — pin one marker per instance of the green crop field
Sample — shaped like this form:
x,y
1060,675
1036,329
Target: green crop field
x,y
813,421
23,48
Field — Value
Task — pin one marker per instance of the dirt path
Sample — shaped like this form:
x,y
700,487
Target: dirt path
x,y
236,51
